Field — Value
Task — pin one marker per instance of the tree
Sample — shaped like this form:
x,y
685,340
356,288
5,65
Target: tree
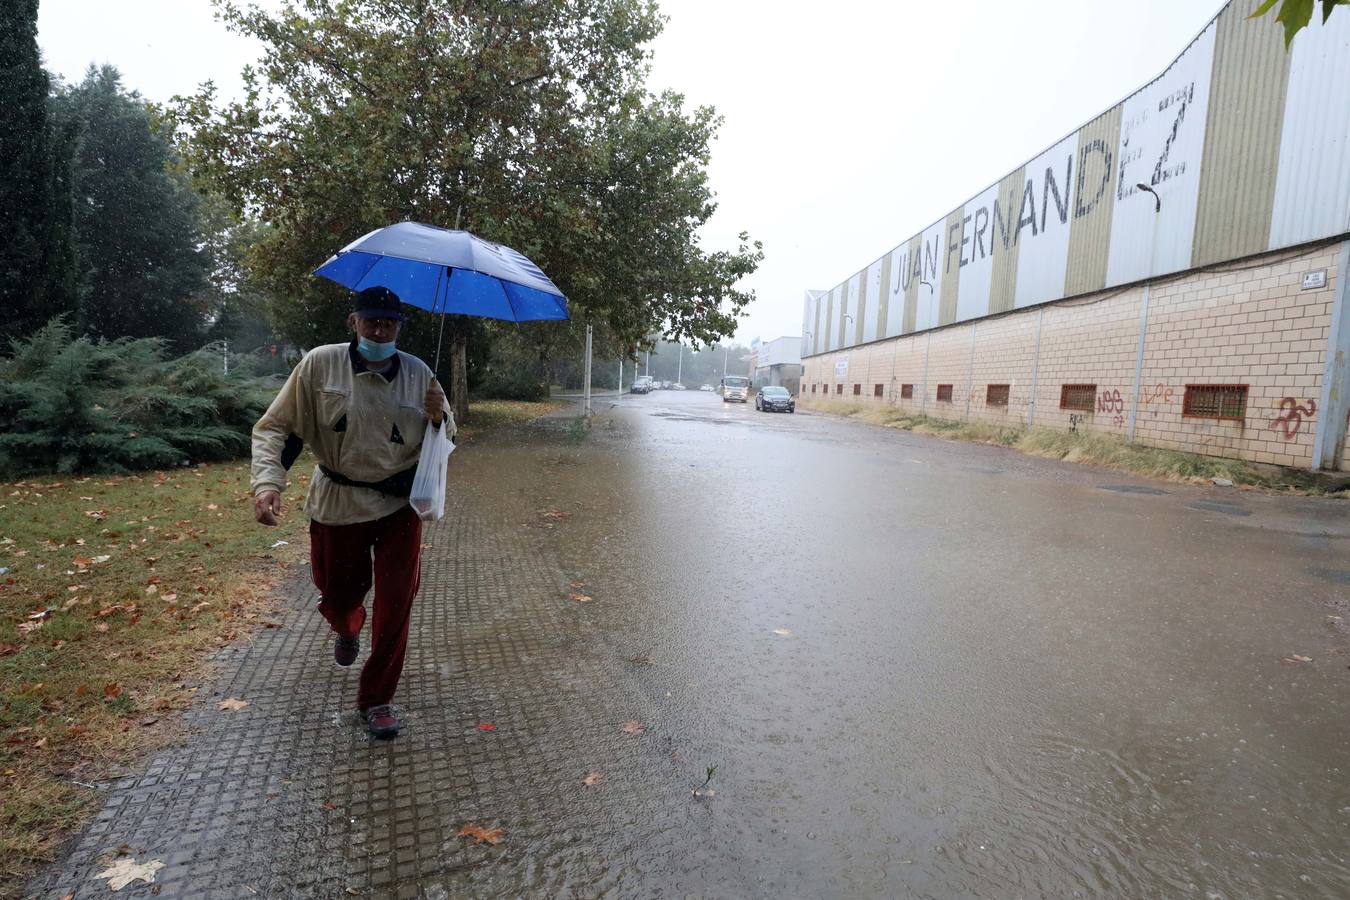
x,y
527,123
1296,14
36,263
136,220
236,307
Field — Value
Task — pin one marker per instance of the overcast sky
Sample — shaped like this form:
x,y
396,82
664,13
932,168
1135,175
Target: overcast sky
x,y
847,130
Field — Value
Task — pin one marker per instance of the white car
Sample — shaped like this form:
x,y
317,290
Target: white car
x,y
705,387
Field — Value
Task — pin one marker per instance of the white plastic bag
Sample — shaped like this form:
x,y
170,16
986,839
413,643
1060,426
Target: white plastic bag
x,y
428,490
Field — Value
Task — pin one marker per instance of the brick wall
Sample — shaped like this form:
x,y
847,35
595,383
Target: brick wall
x,y
1246,324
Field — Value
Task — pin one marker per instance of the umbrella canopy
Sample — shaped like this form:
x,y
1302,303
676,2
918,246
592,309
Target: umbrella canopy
x,y
446,271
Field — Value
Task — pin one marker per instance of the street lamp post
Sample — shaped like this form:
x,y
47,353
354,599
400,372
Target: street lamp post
x,y
725,351
679,371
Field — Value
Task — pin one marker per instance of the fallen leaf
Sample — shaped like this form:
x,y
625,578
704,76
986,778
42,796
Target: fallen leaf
x,y
633,727
83,562
169,598
212,506
102,559
580,598
101,626
329,804
486,726
8,649
26,627
592,779
39,744
149,720
233,703
125,871
112,690
578,584
1298,658
482,835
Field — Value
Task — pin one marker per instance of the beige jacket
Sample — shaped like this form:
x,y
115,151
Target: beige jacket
x,y
361,424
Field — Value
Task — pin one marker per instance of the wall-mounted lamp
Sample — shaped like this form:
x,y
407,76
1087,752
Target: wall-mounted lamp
x,y
1156,199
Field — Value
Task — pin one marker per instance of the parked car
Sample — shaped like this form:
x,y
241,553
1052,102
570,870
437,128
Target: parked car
x,y
641,385
775,399
676,386
705,387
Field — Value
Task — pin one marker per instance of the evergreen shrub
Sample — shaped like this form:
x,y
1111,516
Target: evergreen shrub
x,y
70,404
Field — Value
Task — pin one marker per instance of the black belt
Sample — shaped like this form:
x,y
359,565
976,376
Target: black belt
x,y
396,485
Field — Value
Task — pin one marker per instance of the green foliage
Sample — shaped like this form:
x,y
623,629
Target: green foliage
x,y
71,404
137,224
36,261
1296,14
528,124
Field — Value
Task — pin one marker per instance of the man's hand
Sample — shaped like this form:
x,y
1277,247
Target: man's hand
x,y
435,402
266,507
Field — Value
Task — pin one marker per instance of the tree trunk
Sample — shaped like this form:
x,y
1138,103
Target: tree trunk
x,y
459,375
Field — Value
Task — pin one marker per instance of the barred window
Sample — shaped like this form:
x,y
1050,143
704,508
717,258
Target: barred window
x,y
877,390
906,392
857,390
1082,397
996,395
944,393
839,388
1215,401
813,388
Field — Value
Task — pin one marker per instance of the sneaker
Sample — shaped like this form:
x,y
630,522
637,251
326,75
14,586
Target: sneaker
x,y
381,721
345,650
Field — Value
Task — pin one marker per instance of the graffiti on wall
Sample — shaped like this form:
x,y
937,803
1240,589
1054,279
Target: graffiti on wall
x,y
1111,403
1293,414
1159,393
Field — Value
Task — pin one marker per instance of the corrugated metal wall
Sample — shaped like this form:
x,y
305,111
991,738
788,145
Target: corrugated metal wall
x,y
1247,144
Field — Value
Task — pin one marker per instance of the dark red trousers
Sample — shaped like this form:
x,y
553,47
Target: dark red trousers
x,y
341,558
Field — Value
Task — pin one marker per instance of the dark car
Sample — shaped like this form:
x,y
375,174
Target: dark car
x,y
775,399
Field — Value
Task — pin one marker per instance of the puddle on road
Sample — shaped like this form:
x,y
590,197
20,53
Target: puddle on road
x,y
1218,506
1132,489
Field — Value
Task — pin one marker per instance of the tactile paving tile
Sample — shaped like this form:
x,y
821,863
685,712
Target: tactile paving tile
x,y
289,797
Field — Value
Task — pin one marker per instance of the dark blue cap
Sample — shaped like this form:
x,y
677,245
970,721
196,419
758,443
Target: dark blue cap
x,y
378,303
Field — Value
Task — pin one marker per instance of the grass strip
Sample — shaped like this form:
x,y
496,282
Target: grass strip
x,y
1104,450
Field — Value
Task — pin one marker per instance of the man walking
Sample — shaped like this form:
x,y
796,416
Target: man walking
x,y
362,408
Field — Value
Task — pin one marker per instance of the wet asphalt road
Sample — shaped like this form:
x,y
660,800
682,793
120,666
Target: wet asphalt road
x,y
1003,677
922,669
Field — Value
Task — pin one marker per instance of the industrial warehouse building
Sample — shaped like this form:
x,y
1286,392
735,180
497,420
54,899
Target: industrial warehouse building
x,y
1172,272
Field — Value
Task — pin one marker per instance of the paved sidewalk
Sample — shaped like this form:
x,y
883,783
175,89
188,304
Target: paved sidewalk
x,y
289,797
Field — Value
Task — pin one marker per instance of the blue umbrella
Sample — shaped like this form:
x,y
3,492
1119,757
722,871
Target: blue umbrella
x,y
445,271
